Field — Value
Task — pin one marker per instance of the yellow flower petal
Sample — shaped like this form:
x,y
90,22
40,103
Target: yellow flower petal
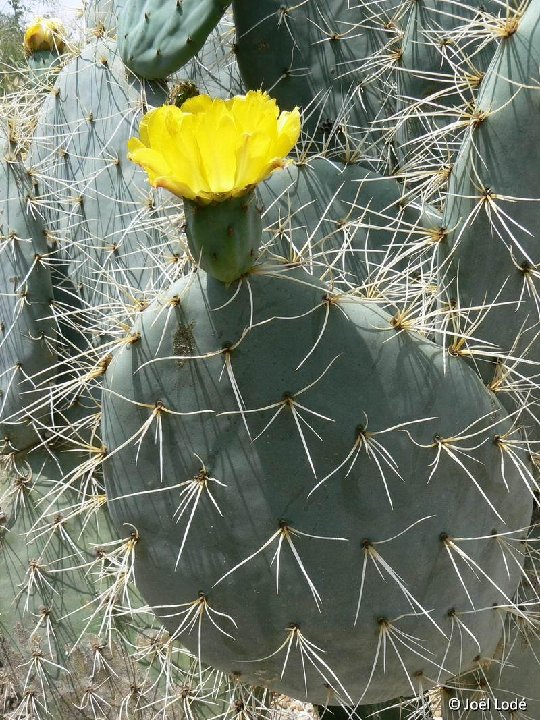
x,y
218,142
288,131
177,187
251,109
212,149
134,144
243,163
186,157
45,34
266,170
197,104
168,130
158,170
153,162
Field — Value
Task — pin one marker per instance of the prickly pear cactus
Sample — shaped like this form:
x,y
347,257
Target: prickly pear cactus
x,y
104,222
296,411
344,217
492,196
53,588
101,16
76,640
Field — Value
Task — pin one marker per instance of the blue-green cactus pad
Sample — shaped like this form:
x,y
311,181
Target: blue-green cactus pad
x,y
243,411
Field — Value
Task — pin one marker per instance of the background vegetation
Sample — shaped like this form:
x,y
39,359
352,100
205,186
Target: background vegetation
x,y
13,14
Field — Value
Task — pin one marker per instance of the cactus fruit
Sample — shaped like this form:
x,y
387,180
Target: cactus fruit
x,y
224,237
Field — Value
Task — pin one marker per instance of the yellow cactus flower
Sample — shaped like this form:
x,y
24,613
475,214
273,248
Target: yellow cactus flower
x,y
211,149
45,34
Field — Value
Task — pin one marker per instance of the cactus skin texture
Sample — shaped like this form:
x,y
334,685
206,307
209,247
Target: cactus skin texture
x,y
101,16
511,673
164,393
28,332
349,215
157,37
493,179
101,211
42,596
310,56
214,70
438,74
74,643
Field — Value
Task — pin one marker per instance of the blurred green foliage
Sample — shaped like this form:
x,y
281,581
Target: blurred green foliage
x,y
12,60
13,17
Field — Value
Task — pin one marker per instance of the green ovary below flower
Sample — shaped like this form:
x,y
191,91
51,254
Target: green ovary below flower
x,y
210,149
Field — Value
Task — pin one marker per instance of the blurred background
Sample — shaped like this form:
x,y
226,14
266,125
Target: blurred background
x,y
14,15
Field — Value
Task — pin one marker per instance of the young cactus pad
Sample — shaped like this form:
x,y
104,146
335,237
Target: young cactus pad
x,y
157,37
